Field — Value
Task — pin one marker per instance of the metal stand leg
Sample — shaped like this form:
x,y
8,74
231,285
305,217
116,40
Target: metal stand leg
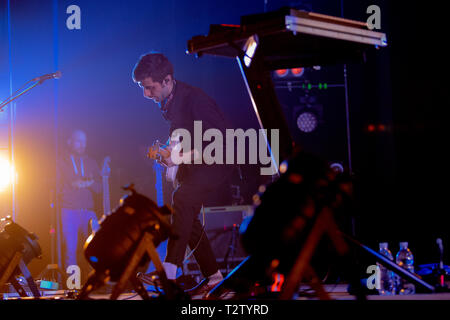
x,y
323,224
31,284
316,284
21,291
9,271
139,288
145,246
94,281
14,265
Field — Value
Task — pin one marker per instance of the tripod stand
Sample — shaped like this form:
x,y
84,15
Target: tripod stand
x,y
17,264
231,248
52,277
17,247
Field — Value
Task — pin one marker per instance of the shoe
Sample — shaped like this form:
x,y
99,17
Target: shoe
x,y
202,289
186,282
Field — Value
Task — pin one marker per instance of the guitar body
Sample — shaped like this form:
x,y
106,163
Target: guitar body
x,y
155,153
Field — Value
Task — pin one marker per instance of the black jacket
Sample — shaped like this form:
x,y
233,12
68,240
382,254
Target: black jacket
x,y
191,104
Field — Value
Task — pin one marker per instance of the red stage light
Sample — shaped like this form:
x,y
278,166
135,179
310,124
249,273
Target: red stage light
x,y
381,127
281,72
371,128
278,280
297,72
230,25
295,178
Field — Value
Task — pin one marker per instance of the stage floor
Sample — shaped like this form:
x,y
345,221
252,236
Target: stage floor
x,y
336,292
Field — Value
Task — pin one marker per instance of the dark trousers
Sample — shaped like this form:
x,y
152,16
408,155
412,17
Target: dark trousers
x,y
187,201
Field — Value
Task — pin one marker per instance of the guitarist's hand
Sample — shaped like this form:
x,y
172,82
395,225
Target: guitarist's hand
x,y
155,152
166,158
81,183
164,153
152,152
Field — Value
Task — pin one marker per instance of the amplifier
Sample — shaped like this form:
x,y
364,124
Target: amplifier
x,y
222,228
225,218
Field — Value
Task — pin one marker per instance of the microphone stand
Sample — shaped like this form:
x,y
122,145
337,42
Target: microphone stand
x,y
440,273
11,98
16,95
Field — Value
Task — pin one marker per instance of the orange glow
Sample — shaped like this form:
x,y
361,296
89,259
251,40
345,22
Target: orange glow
x,y
7,174
295,178
275,263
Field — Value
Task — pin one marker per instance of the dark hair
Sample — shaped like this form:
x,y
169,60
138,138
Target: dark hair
x,y
154,65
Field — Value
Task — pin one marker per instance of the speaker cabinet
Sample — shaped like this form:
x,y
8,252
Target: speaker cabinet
x,y
222,226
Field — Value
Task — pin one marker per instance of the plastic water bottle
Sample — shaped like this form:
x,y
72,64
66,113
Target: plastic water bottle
x,y
405,259
387,285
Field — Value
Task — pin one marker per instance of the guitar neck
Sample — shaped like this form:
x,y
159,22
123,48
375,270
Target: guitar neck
x,y
157,167
106,200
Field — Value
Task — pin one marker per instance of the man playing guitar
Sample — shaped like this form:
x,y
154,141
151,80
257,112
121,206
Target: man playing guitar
x,y
181,105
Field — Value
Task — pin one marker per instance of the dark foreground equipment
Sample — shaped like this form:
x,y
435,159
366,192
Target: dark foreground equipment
x,y
127,240
17,248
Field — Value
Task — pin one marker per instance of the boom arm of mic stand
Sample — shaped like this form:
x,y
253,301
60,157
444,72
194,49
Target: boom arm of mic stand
x,y
12,97
391,265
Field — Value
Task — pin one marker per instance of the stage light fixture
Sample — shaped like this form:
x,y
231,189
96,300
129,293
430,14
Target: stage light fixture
x,y
281,73
17,248
250,49
307,122
297,72
308,196
127,241
371,128
337,167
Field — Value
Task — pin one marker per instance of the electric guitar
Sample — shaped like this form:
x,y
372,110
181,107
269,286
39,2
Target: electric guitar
x,y
162,154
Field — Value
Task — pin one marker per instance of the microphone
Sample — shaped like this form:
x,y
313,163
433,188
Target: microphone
x,y
55,75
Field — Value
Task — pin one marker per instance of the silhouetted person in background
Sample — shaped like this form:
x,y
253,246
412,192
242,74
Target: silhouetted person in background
x,y
78,182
